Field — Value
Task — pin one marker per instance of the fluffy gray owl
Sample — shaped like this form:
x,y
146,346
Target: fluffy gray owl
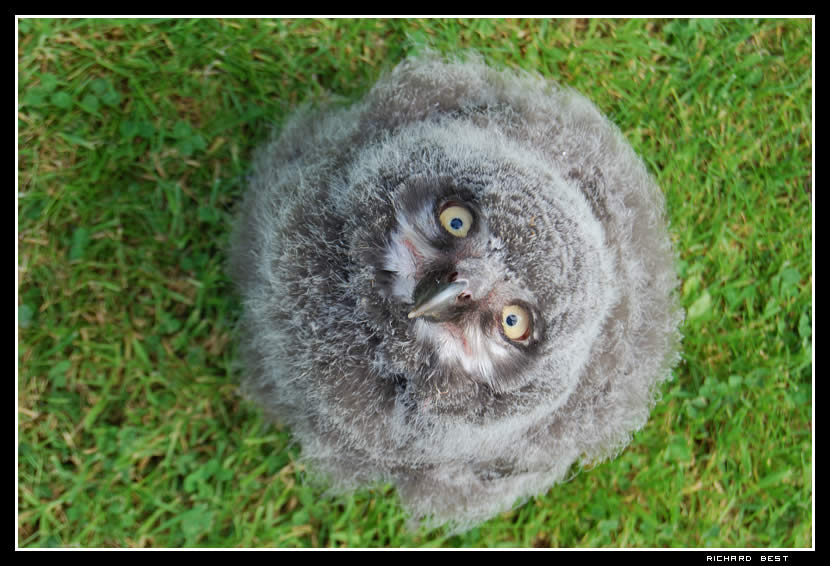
x,y
461,285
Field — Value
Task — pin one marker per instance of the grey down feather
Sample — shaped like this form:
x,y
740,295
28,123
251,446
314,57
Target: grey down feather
x,y
461,284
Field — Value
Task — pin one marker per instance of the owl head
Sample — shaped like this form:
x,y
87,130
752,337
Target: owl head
x,y
487,263
461,284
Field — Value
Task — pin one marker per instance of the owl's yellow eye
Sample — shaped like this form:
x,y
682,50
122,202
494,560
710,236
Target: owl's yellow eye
x,y
516,322
456,220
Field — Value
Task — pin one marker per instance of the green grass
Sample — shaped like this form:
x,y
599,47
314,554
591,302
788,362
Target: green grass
x,y
134,138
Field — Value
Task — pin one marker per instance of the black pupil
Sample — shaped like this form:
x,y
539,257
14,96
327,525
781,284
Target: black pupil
x,y
456,223
511,320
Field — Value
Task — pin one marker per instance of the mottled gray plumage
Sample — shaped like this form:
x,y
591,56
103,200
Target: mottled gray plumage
x,y
341,243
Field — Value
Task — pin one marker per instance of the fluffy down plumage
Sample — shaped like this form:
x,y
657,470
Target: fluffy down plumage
x,y
380,250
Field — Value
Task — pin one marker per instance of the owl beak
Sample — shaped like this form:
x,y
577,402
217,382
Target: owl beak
x,y
435,299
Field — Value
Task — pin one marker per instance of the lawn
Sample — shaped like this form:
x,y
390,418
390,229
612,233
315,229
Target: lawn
x,y
134,138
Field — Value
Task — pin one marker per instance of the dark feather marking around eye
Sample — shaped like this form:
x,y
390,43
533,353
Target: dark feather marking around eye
x,y
420,190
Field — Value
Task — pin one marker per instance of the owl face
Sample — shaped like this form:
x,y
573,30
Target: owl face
x,y
481,271
465,302
486,268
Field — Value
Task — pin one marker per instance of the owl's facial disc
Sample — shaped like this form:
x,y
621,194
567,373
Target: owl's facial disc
x,y
465,304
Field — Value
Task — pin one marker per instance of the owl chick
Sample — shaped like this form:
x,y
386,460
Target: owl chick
x,y
462,285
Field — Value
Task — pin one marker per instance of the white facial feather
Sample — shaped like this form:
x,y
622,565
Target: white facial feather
x,y
467,347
